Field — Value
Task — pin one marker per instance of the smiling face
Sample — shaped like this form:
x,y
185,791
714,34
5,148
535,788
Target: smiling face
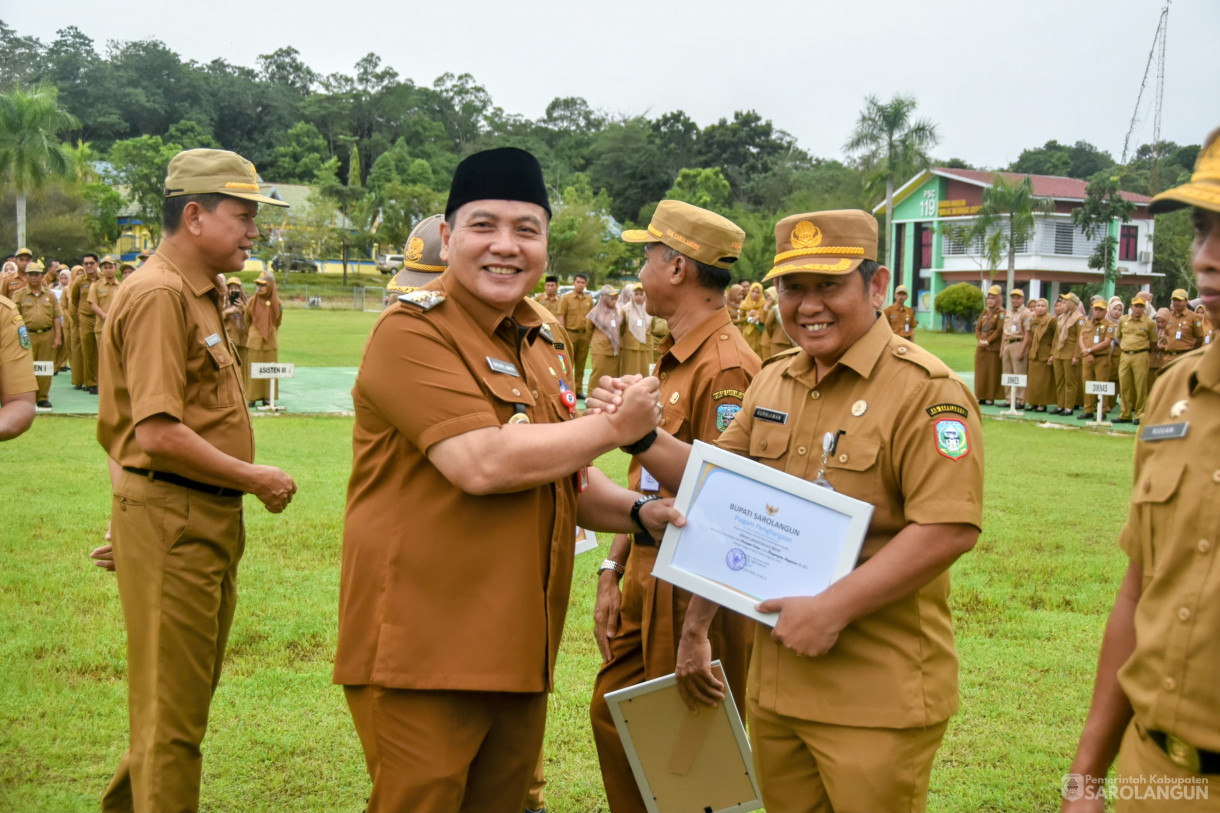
x,y
90,265
826,314
496,249
224,237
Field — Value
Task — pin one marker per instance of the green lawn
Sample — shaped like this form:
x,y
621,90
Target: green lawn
x,y
1029,602
954,349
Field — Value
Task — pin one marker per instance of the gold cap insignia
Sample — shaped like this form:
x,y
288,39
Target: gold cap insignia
x,y
415,249
806,235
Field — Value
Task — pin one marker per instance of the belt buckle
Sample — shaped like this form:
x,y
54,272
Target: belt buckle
x,y
1182,754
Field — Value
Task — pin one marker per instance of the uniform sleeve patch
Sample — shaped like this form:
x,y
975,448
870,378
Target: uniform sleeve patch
x,y
23,335
953,409
722,394
725,414
952,440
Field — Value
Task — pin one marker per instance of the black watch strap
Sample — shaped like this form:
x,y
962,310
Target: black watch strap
x,y
635,509
642,445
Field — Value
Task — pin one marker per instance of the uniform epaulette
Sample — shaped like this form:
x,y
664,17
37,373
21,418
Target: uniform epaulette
x,y
913,353
791,351
423,300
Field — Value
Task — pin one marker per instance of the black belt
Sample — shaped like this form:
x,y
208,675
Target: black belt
x,y
1010,341
1195,760
185,482
44,330
1134,352
1175,352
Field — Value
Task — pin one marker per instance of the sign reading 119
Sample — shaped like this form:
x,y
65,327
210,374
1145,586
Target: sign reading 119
x,y
927,206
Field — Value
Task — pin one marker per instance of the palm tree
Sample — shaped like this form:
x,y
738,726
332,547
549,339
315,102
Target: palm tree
x,y
1010,202
30,150
891,141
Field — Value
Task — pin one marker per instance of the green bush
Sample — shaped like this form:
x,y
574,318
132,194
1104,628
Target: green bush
x,y
961,301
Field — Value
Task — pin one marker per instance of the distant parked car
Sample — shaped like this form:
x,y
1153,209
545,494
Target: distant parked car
x,y
293,262
389,263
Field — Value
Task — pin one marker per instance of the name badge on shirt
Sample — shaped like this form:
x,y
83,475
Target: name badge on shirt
x,y
770,415
613,323
505,367
639,322
213,340
1178,336
1012,329
1165,431
648,482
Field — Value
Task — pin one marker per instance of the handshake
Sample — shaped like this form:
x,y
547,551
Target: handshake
x,y
632,402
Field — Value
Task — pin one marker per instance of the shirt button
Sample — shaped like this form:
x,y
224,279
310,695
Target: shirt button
x,y
723,337
1204,545
534,393
1184,613
815,395
902,351
516,391
842,458
763,445
664,376
801,450
1169,684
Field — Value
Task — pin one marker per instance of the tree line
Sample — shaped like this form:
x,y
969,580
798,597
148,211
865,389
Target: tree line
x,y
379,150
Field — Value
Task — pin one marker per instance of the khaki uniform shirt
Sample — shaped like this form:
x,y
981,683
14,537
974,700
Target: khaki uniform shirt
x,y
16,360
913,448
101,293
1136,334
1067,338
1173,534
1183,333
1044,329
12,285
441,589
1094,332
574,310
551,304
775,340
159,317
989,328
1016,323
85,317
901,320
39,310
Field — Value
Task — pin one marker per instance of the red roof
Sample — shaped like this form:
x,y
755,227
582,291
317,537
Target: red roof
x,y
1045,186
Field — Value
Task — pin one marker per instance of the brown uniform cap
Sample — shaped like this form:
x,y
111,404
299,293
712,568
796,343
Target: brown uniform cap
x,y
421,260
699,234
833,242
207,172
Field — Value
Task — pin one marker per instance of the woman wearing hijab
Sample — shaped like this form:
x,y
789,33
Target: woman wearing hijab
x,y
638,336
263,317
753,311
607,341
733,296
1040,387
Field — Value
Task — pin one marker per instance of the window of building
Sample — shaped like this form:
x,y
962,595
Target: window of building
x,y
1064,237
1128,247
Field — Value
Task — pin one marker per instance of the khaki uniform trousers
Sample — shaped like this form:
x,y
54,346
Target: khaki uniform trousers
x,y
808,767
40,348
646,647
1140,760
535,799
438,751
260,388
88,349
1133,383
1067,383
1095,369
76,356
176,552
1009,364
63,355
580,355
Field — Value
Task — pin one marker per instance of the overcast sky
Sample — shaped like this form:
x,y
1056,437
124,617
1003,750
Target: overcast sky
x,y
995,77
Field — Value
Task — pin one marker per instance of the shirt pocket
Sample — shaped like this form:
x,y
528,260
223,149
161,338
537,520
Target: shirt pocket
x,y
218,385
853,469
769,441
1153,499
511,397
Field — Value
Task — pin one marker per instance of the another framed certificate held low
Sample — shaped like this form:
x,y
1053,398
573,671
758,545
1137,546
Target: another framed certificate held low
x,y
753,533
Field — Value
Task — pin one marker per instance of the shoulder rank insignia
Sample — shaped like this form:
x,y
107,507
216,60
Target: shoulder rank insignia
x,y
545,330
424,300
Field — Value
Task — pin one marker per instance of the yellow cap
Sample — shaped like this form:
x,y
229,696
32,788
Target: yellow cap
x,y
1179,293
233,281
106,259
125,265
995,290
1016,292
901,289
1204,187
207,172
833,242
608,290
1138,299
699,234
24,252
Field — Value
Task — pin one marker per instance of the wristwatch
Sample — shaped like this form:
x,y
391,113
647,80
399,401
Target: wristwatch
x,y
610,564
635,509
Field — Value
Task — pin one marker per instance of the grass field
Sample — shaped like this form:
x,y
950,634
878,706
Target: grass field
x,y
1029,602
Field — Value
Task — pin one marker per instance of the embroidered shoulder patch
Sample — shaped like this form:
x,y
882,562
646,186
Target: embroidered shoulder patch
x,y
940,409
952,440
23,336
424,300
719,395
725,414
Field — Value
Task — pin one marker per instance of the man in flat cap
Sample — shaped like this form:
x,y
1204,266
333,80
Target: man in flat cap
x,y
1014,350
1155,705
1136,337
85,320
450,614
174,424
1095,338
988,333
1183,328
705,366
850,693
40,310
900,317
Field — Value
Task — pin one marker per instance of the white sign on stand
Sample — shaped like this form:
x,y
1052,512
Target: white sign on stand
x,y
274,371
1101,389
44,368
1014,382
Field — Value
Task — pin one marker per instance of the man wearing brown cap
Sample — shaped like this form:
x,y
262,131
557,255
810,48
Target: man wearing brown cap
x,y
988,333
900,317
450,615
1136,336
574,307
40,310
850,694
1183,327
172,420
1155,705
85,321
1014,350
101,294
704,367
1095,337
422,262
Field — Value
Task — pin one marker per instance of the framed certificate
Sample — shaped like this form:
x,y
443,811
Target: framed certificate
x,y
754,533
683,762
